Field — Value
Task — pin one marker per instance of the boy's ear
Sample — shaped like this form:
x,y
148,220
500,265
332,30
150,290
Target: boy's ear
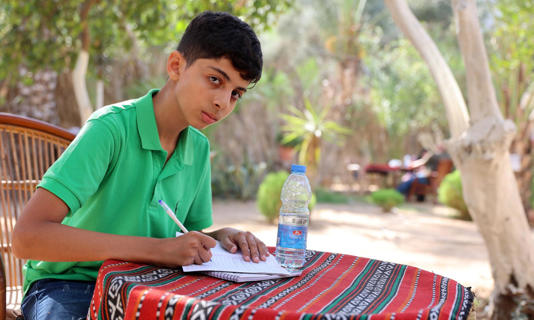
x,y
175,65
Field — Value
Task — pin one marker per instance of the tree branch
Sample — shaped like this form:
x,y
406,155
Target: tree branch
x,y
480,91
448,87
84,15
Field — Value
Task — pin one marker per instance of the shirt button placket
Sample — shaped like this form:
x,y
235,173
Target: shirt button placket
x,y
158,170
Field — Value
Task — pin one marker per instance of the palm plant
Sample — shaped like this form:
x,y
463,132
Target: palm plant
x,y
311,127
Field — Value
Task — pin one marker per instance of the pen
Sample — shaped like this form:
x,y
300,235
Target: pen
x,y
173,217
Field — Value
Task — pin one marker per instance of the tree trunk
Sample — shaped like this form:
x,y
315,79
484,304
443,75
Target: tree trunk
x,y
481,154
80,70
80,89
67,107
491,189
522,145
99,94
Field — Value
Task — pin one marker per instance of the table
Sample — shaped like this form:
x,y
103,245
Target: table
x,y
332,286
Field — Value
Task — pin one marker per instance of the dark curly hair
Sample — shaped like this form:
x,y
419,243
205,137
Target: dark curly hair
x,y
221,35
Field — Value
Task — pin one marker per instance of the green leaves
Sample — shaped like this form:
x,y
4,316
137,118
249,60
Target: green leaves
x,y
47,34
511,52
310,122
403,93
311,127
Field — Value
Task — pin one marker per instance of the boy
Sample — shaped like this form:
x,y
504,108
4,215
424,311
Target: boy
x,y
100,199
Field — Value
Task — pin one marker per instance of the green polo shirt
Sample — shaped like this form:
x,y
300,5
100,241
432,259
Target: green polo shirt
x,y
112,176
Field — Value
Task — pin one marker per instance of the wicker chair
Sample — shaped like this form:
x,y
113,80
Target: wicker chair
x,y
27,148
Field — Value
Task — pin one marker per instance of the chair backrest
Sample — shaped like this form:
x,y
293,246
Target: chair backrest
x,y
27,148
443,168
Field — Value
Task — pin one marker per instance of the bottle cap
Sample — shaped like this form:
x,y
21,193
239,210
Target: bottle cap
x,y
298,168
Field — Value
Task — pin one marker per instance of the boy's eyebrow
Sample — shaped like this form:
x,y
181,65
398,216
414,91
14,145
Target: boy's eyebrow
x,y
225,75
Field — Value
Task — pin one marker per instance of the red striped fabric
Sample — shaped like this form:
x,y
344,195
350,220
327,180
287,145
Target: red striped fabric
x,y
331,286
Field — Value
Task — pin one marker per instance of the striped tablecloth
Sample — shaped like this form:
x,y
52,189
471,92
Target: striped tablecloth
x,y
332,286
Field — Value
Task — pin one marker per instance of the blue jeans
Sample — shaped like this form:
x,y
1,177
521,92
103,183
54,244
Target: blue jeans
x,y
404,187
57,299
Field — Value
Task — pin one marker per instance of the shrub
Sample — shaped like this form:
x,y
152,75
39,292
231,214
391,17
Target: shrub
x,y
268,199
327,196
387,199
313,202
269,194
450,194
235,181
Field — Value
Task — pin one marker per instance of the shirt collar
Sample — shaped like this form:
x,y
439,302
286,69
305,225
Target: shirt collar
x,y
148,131
185,147
146,122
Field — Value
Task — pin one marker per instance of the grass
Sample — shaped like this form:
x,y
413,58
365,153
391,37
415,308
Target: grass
x,y
327,196
335,197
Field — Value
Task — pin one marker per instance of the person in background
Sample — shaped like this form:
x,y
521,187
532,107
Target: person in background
x,y
421,169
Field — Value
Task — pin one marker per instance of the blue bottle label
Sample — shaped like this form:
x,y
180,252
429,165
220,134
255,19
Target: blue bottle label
x,y
292,236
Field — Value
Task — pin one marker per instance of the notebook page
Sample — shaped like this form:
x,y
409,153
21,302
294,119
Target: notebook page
x,y
223,260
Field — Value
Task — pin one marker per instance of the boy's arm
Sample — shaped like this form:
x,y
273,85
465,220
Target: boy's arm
x,y
251,247
39,235
420,162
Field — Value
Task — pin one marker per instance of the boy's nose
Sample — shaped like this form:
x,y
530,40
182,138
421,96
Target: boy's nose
x,y
221,102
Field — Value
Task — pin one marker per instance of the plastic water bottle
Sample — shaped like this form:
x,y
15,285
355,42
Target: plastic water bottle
x,y
293,219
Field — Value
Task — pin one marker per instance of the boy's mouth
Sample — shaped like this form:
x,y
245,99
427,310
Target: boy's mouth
x,y
208,118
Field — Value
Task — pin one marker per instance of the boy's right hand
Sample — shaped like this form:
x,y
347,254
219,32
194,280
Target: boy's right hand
x,y
192,247
40,235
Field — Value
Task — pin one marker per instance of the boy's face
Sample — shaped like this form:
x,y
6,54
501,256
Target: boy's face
x,y
207,90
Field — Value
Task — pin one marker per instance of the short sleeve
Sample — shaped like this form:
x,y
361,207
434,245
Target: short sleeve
x,y
200,213
78,172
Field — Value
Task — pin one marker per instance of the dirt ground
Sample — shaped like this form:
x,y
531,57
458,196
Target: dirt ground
x,y
421,235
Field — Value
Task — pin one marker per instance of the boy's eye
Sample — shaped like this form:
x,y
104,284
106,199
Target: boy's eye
x,y
236,94
214,80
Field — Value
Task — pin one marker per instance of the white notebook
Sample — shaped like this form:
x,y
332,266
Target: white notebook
x,y
231,266
244,277
223,260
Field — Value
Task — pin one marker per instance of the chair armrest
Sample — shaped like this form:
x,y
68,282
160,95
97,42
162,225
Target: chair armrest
x,y
28,185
